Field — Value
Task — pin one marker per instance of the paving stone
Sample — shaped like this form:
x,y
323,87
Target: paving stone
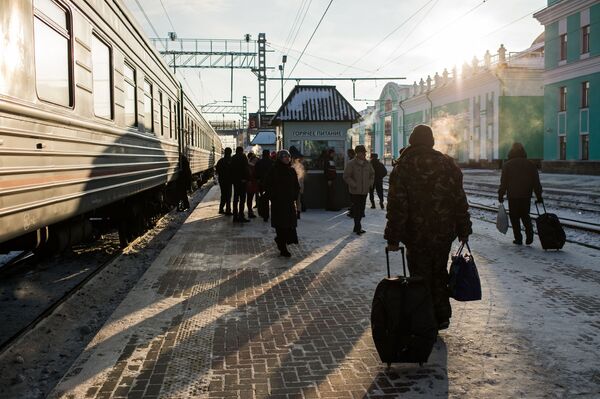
x,y
220,315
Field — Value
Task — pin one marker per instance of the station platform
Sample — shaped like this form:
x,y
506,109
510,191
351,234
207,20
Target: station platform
x,y
220,315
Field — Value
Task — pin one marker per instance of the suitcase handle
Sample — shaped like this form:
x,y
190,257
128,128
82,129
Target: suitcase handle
x,y
387,258
538,209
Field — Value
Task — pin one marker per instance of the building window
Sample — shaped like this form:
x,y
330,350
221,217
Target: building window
x,y
585,39
563,47
102,78
585,147
562,147
585,93
130,96
563,99
148,120
52,33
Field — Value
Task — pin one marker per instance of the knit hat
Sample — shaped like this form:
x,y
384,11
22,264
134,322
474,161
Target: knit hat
x,y
422,135
283,153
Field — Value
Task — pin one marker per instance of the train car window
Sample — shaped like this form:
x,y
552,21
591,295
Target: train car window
x,y
102,78
52,34
162,117
170,120
148,117
130,96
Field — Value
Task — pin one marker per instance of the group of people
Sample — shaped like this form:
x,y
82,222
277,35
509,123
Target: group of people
x,y
427,208
276,181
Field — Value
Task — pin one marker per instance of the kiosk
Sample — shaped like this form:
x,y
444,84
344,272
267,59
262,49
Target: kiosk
x,y
315,119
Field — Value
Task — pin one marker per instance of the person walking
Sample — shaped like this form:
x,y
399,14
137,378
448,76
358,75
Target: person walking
x,y
263,166
380,173
330,173
298,166
251,184
223,168
282,188
520,178
351,154
239,177
359,175
427,209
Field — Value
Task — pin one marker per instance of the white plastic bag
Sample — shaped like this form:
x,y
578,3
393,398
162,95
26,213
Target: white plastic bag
x,y
502,220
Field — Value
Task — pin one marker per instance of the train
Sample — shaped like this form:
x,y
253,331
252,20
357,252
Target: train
x,y
93,124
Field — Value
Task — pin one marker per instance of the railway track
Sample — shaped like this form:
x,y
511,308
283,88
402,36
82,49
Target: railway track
x,y
18,271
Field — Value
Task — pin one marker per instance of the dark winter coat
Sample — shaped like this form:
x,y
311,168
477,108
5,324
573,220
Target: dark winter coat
x,y
427,206
262,167
224,170
239,168
519,177
380,169
282,188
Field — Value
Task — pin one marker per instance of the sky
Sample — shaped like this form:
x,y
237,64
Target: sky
x,y
421,37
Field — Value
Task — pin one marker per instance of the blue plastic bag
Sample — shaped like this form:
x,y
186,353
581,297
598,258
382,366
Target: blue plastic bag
x,y
464,281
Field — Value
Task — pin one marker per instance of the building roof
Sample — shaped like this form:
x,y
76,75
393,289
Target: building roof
x,y
264,137
316,104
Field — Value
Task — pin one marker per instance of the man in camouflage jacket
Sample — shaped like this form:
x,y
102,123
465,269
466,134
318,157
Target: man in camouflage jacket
x,y
427,209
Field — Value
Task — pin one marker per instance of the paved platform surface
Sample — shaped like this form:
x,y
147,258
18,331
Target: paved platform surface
x,y
220,315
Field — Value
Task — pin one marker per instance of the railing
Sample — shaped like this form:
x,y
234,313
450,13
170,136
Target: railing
x,y
212,46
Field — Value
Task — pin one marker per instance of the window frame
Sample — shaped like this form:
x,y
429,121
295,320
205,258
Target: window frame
x,y
111,78
585,39
585,94
563,47
37,13
562,98
151,96
128,81
161,113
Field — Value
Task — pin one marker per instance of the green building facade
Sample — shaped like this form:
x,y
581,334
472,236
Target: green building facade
x,y
571,86
476,114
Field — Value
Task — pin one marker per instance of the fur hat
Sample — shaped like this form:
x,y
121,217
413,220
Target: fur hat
x,y
422,135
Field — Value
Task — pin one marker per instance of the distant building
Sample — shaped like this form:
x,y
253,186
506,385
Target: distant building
x,y
572,86
266,139
362,132
476,114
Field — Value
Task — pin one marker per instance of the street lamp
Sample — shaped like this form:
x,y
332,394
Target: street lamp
x,y
281,71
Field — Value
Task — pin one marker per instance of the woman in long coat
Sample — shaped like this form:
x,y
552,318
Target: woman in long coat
x,y
283,188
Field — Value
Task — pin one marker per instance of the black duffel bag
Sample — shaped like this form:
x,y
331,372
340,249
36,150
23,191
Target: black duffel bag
x,y
464,284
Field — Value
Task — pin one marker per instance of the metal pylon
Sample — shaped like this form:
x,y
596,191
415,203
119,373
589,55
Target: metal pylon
x,y
262,73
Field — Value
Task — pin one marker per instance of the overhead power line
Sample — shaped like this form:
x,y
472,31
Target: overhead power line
x,y
407,36
167,14
305,47
492,32
387,36
311,37
433,35
147,19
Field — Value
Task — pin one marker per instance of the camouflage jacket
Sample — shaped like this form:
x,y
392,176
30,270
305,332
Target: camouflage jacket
x,y
427,205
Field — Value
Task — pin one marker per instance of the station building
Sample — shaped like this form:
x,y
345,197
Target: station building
x,y
476,114
315,119
572,86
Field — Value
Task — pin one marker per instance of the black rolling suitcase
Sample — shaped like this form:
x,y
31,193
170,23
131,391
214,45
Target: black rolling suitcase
x,y
551,233
403,322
